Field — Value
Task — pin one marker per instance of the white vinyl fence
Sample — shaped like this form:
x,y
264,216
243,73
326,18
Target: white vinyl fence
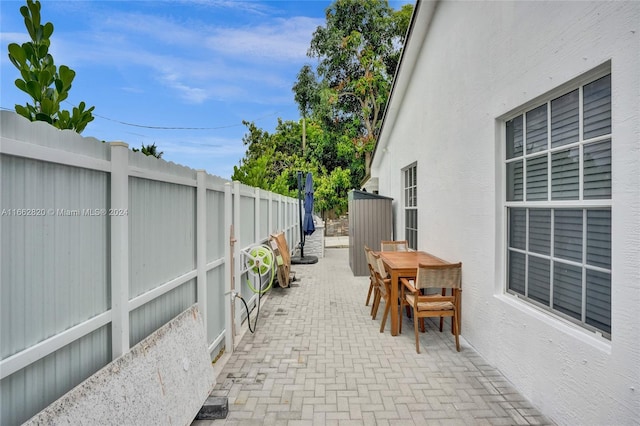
x,y
101,246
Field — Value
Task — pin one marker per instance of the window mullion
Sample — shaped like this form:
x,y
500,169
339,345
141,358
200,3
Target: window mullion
x,y
552,254
548,153
524,157
581,113
581,139
526,253
584,270
581,173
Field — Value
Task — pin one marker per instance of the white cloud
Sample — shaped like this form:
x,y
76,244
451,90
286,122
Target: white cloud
x,y
279,40
252,7
182,58
187,56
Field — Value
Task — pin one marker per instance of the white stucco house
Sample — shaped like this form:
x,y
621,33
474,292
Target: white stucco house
x,y
511,143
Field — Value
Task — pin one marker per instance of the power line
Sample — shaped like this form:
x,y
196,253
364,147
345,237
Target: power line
x,y
181,128
143,126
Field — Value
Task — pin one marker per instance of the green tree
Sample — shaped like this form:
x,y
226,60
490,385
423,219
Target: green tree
x,y
47,84
331,191
341,106
256,168
306,95
358,51
150,150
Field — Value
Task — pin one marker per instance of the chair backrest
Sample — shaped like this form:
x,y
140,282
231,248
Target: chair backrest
x,y
380,268
400,245
439,276
381,274
371,261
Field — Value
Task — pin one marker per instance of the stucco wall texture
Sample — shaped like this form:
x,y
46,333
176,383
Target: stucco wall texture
x,y
478,63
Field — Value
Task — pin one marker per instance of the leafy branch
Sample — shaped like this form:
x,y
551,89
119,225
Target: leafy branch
x,y
46,84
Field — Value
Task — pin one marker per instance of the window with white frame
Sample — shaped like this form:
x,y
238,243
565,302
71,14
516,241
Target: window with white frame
x,y
410,181
558,203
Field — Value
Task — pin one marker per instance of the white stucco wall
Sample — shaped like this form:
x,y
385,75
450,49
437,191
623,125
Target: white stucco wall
x,y
478,62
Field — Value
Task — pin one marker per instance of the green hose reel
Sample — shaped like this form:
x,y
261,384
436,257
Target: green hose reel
x,y
260,261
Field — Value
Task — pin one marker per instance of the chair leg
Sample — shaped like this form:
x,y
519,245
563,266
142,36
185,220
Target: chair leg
x,y
454,320
369,294
376,303
387,308
373,302
415,329
442,322
400,320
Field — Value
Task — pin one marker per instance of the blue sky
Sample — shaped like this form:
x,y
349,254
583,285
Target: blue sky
x,y
195,68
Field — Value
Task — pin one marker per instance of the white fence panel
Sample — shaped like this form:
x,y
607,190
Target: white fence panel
x,y
162,230
46,239
264,218
216,243
99,248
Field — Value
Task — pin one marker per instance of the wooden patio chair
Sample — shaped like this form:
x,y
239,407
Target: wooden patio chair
x,y
384,290
434,305
399,245
372,277
372,264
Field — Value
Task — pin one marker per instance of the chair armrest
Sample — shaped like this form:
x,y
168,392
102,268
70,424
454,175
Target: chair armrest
x,y
436,298
408,285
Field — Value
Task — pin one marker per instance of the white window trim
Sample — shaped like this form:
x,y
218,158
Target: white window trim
x,y
502,221
403,171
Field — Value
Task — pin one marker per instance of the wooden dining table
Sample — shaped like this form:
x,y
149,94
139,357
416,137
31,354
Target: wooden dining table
x,y
404,264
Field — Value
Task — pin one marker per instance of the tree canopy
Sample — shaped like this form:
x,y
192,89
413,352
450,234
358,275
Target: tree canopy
x,y
341,103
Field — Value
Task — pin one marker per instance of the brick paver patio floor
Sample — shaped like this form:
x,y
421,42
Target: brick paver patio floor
x,y
317,358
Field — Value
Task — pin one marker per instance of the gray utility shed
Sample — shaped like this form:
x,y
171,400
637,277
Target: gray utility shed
x,y
370,221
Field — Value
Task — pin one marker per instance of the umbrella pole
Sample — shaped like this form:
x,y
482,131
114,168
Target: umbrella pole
x,y
300,213
305,226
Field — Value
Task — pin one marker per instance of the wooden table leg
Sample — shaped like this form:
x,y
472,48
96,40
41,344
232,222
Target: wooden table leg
x,y
394,303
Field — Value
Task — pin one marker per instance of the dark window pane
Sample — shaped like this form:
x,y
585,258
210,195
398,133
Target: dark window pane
x,y
515,181
540,231
567,289
516,271
514,137
599,300
565,120
568,234
597,170
539,273
537,178
597,108
537,129
517,228
599,238
565,175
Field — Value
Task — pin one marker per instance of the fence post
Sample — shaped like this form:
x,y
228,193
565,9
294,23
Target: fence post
x,y
270,215
257,218
228,267
237,230
119,249
280,214
201,246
